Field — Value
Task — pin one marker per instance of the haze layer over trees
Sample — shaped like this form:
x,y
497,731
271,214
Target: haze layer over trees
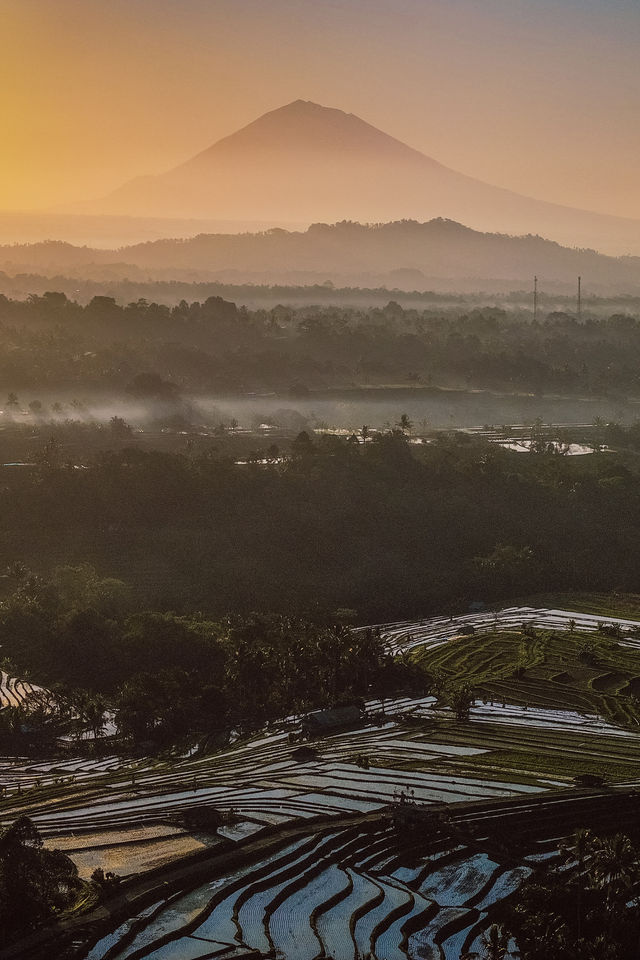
x,y
50,344
437,255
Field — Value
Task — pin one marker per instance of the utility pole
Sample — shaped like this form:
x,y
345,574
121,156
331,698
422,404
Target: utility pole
x,y
579,298
535,299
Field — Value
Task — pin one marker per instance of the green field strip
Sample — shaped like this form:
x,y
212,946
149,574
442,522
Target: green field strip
x,y
495,738
547,656
565,767
482,735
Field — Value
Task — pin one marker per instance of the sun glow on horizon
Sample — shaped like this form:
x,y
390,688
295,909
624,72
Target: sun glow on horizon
x,y
525,95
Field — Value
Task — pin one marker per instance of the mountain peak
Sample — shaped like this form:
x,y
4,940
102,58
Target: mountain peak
x,y
305,162
308,128
308,106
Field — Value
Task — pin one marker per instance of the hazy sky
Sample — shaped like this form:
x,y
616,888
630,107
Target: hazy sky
x,y
539,96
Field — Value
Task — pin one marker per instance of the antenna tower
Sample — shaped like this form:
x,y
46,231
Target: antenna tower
x,y
579,298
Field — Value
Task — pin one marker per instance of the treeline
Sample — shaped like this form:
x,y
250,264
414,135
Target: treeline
x,y
311,294
167,676
586,905
385,528
171,292
200,594
50,342
37,884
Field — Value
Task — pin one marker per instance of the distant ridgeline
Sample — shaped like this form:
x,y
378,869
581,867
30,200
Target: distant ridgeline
x,y
305,162
436,255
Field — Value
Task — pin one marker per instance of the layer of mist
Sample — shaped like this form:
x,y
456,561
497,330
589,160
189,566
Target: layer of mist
x,y
104,231
344,410
441,256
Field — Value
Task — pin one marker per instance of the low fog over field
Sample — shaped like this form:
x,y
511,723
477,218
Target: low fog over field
x,y
343,410
197,365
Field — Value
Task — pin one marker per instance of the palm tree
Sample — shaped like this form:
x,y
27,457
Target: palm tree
x,y
495,943
405,423
583,847
582,850
11,406
92,712
614,867
598,434
17,570
460,699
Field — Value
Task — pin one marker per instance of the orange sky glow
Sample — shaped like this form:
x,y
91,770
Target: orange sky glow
x,y
540,97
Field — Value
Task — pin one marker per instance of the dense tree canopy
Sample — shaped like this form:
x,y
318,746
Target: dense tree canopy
x,y
35,883
587,907
149,350
384,529
167,675
241,576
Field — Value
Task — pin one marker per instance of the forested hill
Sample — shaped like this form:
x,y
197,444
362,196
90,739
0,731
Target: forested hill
x,y
404,254
385,529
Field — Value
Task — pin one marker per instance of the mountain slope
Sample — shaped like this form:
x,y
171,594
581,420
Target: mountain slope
x,y
304,162
405,254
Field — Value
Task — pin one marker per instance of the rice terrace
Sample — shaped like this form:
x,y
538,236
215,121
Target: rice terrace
x,y
398,829
320,480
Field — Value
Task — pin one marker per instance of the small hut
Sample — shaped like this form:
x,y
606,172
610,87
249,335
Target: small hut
x,y
322,723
